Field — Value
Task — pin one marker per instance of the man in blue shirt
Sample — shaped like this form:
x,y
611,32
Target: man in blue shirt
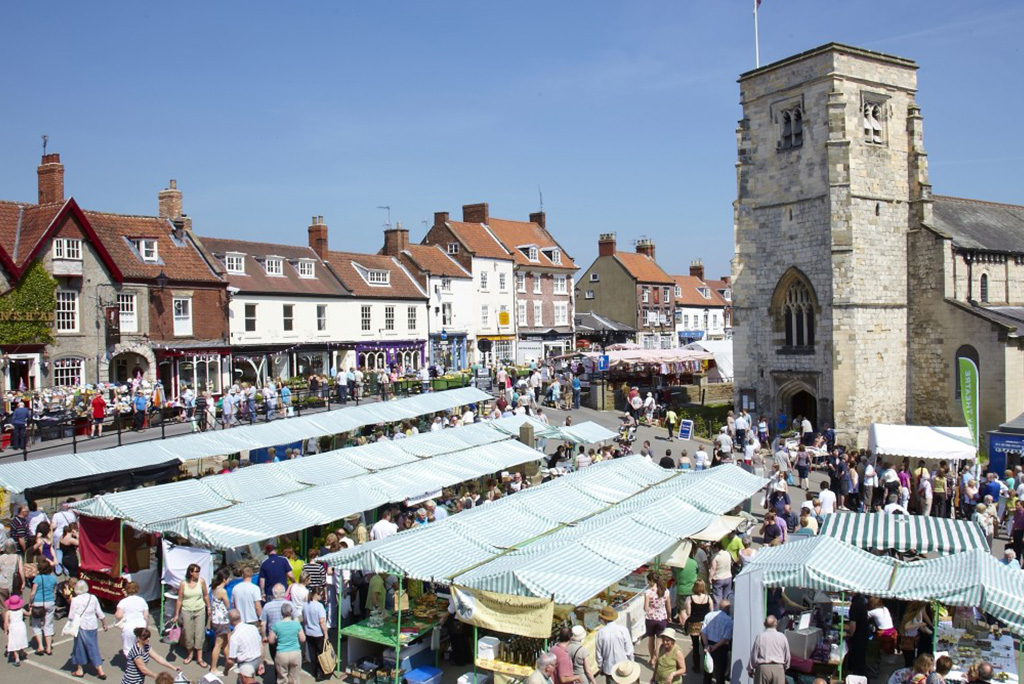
x,y
139,404
717,637
19,420
781,423
576,389
274,570
990,488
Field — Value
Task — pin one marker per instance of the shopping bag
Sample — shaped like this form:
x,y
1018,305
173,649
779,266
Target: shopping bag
x,y
709,663
790,480
173,633
326,658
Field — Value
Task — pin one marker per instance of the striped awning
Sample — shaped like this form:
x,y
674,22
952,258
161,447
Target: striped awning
x,y
918,533
825,564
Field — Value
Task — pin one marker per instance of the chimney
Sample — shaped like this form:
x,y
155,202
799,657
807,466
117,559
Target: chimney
x,y
646,247
396,240
169,201
318,236
538,218
725,279
697,268
606,244
440,218
476,213
51,179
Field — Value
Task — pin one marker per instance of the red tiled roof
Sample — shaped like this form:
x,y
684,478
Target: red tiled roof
x,y
255,278
402,286
643,268
180,261
22,226
433,259
478,240
689,294
515,234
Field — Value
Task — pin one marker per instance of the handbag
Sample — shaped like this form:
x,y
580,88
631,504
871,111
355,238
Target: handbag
x,y
908,643
326,658
38,612
72,626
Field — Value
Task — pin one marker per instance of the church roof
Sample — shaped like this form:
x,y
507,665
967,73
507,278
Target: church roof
x,y
973,224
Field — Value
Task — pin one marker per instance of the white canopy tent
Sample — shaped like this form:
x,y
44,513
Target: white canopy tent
x,y
722,351
921,441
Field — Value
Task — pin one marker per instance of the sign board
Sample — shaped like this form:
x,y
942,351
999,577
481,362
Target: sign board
x,y
686,429
112,317
504,318
522,615
969,395
603,363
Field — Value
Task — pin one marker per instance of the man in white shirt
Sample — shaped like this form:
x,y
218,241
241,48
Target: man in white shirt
x,y
62,518
828,499
614,645
724,440
434,512
35,516
782,459
807,431
924,494
245,648
741,428
700,458
246,598
893,507
384,528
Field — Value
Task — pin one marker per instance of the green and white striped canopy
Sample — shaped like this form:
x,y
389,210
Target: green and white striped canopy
x,y
922,534
825,564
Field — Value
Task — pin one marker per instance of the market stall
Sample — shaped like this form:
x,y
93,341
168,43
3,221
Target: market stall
x,y
953,444
904,533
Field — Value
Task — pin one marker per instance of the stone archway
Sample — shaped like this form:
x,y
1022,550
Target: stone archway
x,y
133,354
798,398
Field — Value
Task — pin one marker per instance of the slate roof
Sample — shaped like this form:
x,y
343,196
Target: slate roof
x,y
514,234
643,268
401,286
179,260
593,322
690,296
973,224
255,278
478,240
434,259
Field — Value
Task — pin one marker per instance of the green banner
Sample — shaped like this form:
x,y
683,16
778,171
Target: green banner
x,y
969,395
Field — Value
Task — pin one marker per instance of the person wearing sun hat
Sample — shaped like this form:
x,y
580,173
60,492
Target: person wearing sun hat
x,y
14,626
614,645
668,661
626,672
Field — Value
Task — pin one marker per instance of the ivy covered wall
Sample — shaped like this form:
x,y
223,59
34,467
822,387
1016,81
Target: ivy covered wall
x,y
26,311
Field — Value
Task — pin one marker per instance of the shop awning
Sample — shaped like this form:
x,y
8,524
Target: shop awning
x,y
21,476
825,564
922,534
921,441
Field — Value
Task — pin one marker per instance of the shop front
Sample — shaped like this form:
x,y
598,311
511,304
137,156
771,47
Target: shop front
x,y
448,350
496,348
20,367
407,354
202,369
540,346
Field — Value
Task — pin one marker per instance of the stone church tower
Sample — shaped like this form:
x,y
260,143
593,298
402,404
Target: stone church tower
x,y
830,171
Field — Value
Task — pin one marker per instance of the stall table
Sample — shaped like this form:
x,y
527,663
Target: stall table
x,y
965,649
362,634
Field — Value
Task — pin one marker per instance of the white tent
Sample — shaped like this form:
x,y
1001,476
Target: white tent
x,y
722,351
921,441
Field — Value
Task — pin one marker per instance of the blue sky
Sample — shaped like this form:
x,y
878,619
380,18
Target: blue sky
x,y
622,113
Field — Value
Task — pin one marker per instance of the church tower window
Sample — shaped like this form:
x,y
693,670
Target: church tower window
x,y
984,288
794,311
792,128
874,115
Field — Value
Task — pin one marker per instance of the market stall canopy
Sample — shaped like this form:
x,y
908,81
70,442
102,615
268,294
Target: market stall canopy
x,y
921,441
825,564
919,533
583,433
94,465
629,357
722,351
571,537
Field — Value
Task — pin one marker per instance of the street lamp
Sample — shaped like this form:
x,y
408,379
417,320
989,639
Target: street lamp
x,y
161,280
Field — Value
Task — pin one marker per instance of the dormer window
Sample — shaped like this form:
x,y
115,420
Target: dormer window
x,y
531,254
378,277
147,248
727,295
705,292
274,266
679,292
556,256
306,268
235,263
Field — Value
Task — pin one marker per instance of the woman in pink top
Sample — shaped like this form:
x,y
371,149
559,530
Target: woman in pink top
x,y
656,603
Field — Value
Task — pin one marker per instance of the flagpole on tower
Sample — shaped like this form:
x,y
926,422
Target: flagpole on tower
x,y
757,46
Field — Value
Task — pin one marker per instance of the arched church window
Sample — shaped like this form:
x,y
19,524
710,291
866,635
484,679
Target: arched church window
x,y
798,312
792,133
984,287
873,117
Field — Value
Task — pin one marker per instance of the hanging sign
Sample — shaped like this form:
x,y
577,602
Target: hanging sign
x,y
522,615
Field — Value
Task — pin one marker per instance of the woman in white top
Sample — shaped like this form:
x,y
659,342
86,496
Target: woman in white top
x,y
132,611
86,650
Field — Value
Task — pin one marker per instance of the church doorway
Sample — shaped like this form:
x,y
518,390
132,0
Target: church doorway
x,y
804,404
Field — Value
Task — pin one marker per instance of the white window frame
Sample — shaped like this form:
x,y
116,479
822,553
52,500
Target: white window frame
x,y
306,268
71,368
246,317
502,282
521,281
538,314
182,321
128,312
69,249
377,276
589,294
446,313
561,313
66,314
595,277
686,321
483,280
679,292
321,317
532,254
453,247
556,256
645,294
521,312
705,292
537,283
389,317
365,318
274,266
411,318
288,317
446,284
234,263
561,285
148,249
485,315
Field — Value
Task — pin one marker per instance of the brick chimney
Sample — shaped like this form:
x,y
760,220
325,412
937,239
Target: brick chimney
x,y
646,247
476,213
440,218
51,179
396,240
169,201
606,244
318,236
697,268
538,218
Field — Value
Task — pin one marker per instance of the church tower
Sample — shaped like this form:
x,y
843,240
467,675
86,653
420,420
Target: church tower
x,y
827,157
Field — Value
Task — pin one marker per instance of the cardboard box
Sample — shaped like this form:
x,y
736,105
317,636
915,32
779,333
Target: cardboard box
x,y
803,641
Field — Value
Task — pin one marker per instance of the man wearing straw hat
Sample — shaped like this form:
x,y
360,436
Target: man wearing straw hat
x,y
613,647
